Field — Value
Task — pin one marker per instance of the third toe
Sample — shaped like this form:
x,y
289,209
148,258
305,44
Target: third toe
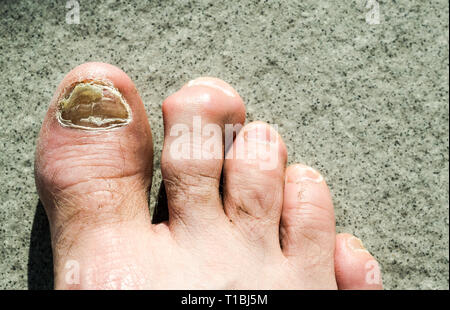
x,y
254,182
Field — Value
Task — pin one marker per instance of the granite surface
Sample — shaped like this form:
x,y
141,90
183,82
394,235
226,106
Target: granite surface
x,y
367,104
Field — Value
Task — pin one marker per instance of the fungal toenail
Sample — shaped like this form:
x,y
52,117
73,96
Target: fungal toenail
x,y
93,105
305,174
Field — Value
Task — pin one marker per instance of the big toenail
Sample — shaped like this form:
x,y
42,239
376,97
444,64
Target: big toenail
x,y
356,244
304,174
93,105
211,83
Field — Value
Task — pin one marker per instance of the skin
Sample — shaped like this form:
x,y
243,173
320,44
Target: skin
x,y
269,229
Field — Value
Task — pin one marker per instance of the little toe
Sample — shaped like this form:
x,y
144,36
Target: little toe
x,y
356,268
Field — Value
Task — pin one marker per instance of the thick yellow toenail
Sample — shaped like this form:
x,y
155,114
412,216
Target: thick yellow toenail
x,y
93,105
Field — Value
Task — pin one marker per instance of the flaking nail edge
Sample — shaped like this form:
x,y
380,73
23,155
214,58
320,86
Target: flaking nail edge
x,y
93,105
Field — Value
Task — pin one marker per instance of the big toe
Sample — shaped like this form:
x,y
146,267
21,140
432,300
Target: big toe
x,y
93,169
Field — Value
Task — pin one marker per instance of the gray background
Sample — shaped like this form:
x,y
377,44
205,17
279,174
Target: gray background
x,y
364,104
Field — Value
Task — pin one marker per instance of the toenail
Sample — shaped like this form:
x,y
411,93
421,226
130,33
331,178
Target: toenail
x,y
355,244
213,84
93,105
304,174
259,133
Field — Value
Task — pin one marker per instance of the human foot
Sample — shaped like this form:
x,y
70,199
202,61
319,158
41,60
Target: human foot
x,y
271,227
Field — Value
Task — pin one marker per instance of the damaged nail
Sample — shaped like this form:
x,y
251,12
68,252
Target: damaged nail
x,y
356,244
305,174
93,105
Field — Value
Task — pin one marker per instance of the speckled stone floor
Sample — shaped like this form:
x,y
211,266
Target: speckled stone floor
x,y
365,104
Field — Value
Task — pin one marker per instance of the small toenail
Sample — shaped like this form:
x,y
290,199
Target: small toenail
x,y
304,174
93,105
259,134
356,244
211,83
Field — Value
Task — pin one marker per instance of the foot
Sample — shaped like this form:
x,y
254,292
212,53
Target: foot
x,y
236,221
